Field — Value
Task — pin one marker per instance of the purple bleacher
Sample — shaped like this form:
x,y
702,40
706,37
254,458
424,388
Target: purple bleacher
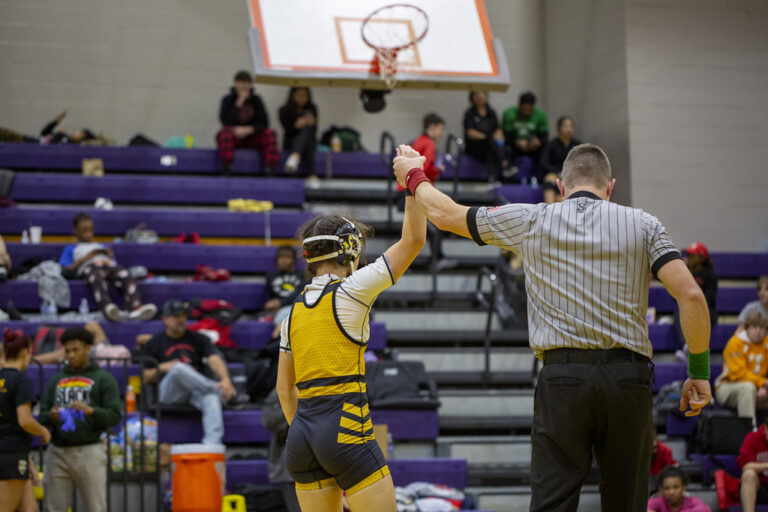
x,y
169,256
247,333
244,426
520,194
679,426
154,189
42,374
678,370
442,471
740,265
165,221
664,337
708,466
247,296
729,300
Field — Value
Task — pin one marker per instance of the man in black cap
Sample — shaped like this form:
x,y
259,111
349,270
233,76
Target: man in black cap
x,y
182,356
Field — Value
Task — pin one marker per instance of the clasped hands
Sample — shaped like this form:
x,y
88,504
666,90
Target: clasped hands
x,y
407,158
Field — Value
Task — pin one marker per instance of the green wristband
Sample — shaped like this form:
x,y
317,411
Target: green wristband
x,y
698,365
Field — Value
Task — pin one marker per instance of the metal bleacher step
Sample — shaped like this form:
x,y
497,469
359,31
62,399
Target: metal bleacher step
x,y
435,320
485,403
459,360
483,449
422,336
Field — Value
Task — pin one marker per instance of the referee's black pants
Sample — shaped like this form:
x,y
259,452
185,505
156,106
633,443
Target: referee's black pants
x,y
592,401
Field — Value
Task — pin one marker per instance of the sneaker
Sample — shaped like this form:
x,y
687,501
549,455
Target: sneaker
x,y
143,313
292,164
114,313
312,182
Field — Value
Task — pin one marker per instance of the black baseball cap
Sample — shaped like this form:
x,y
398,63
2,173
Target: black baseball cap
x,y
173,307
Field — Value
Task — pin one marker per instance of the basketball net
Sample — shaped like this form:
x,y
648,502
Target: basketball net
x,y
385,65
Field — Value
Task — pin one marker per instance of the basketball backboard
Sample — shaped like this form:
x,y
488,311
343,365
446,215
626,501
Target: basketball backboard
x,y
319,43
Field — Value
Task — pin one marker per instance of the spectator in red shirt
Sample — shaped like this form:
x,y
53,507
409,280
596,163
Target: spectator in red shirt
x,y
434,125
661,457
753,461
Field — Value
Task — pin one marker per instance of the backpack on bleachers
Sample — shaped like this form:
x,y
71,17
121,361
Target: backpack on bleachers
x,y
350,138
47,339
400,385
718,431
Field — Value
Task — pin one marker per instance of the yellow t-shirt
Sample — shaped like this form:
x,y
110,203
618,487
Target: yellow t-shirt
x,y
744,361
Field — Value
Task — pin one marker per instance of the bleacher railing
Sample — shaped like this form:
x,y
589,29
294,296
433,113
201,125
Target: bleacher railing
x,y
489,303
386,154
454,155
124,477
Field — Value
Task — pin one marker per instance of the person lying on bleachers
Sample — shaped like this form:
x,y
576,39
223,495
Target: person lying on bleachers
x,y
245,124
743,383
671,496
96,263
759,306
753,461
183,356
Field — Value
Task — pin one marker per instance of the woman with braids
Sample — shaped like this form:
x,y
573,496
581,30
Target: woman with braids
x,y
330,445
17,425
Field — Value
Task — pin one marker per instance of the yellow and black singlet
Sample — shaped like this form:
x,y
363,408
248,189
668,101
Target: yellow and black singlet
x,y
331,437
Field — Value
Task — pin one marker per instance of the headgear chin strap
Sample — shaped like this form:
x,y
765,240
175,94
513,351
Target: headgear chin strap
x,y
350,245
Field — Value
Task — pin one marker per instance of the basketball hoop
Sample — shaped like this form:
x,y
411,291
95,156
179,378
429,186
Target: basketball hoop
x,y
391,30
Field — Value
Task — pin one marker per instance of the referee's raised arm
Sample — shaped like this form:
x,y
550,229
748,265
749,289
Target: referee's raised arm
x,y
438,207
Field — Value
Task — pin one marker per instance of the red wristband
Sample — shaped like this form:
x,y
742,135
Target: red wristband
x,y
414,178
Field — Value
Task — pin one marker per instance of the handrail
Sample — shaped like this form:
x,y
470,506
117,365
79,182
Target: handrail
x,y
454,157
386,154
491,307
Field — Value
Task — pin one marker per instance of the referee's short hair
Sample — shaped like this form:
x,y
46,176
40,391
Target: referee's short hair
x,y
586,164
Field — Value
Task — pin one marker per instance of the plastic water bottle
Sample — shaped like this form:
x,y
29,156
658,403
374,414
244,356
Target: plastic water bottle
x,y
84,309
49,310
25,237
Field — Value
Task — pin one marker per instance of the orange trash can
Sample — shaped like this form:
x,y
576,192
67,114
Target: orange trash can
x,y
198,476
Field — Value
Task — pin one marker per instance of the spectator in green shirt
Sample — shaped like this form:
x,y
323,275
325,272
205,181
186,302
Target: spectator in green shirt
x,y
525,131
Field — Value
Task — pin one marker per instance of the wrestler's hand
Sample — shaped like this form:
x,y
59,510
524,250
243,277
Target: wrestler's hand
x,y
407,151
403,164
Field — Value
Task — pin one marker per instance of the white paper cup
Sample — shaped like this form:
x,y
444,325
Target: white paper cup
x,y
35,234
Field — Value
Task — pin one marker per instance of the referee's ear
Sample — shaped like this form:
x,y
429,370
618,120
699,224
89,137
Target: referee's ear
x,y
609,191
561,187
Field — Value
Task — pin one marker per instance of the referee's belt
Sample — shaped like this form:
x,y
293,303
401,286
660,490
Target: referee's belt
x,y
592,356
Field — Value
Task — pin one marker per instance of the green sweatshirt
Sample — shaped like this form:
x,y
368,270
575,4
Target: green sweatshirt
x,y
92,385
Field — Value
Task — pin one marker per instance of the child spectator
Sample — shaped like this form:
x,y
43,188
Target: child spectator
x,y
483,138
525,130
753,461
661,456
299,119
76,458
433,126
182,356
97,264
745,367
672,484
557,149
17,425
759,306
245,124
700,265
284,284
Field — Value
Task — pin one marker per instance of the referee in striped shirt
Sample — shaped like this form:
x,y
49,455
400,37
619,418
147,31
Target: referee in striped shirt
x,y
588,264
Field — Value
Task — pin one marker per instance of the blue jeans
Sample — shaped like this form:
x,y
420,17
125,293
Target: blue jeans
x,y
184,385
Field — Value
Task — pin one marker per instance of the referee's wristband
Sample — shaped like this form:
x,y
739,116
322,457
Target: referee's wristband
x,y
415,178
698,365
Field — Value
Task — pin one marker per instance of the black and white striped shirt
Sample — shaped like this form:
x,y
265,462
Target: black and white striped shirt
x,y
587,266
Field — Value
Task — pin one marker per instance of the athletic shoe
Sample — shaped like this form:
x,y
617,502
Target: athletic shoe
x,y
143,313
312,182
292,164
114,313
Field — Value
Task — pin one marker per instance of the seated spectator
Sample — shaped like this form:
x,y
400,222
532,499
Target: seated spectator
x,y
426,144
557,149
672,484
56,356
756,306
97,264
742,384
283,285
661,456
182,356
753,461
483,138
76,457
299,119
17,425
245,124
525,130
698,261
5,261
